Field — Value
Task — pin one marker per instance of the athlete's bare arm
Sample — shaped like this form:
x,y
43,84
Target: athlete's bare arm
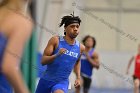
x,y
19,30
77,68
129,64
47,55
94,59
52,45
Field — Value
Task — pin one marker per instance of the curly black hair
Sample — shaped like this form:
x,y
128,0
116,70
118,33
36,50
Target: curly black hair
x,y
3,2
88,36
66,20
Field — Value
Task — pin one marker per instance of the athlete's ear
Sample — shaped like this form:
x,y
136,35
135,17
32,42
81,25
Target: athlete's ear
x,y
64,32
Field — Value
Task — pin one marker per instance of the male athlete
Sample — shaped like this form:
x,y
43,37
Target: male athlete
x,y
61,55
136,75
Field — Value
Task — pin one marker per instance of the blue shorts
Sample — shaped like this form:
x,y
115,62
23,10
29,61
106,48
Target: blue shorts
x,y
45,86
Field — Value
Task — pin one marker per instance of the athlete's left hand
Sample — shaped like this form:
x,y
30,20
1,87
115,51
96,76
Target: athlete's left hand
x,y
77,83
86,53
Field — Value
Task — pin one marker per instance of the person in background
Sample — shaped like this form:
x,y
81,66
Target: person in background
x,y
15,30
89,60
136,76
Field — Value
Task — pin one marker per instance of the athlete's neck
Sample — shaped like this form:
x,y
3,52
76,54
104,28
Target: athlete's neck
x,y
87,49
69,40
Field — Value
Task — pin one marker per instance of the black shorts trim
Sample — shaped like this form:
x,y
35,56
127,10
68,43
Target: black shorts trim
x,y
86,82
135,77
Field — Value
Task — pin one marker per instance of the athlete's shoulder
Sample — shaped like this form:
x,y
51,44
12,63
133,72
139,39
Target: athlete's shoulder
x,y
134,55
54,40
19,19
82,47
16,22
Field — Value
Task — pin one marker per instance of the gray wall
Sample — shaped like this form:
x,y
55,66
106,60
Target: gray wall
x,y
111,22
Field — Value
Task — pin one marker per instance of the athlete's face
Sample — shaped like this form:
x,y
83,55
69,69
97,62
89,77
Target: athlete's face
x,y
72,30
89,42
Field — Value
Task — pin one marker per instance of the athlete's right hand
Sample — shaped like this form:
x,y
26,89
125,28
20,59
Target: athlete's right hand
x,y
77,83
61,51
